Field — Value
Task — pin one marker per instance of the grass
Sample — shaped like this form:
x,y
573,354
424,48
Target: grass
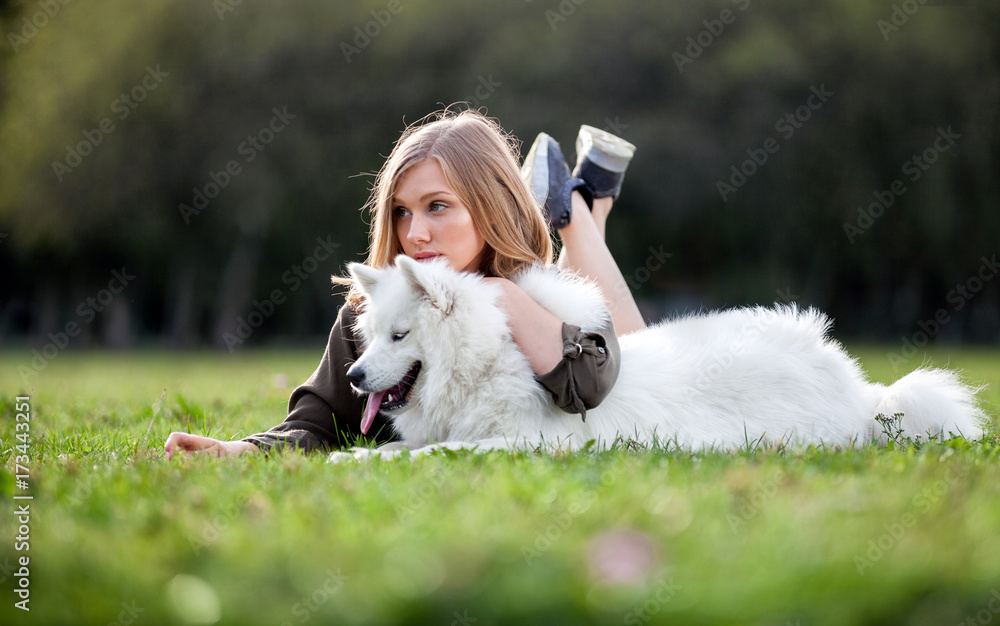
x,y
814,536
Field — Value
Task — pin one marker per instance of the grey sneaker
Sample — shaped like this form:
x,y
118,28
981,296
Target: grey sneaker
x,y
602,159
548,177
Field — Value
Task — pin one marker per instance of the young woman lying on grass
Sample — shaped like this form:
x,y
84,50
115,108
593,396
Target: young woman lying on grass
x,y
451,188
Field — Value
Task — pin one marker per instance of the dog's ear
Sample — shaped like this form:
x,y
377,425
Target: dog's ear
x,y
364,277
426,282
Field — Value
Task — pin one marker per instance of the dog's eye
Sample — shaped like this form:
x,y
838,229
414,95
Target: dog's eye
x,y
400,335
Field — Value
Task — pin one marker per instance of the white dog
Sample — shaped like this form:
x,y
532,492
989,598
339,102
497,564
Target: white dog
x,y
440,361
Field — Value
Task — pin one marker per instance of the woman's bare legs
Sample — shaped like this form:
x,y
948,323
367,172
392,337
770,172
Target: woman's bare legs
x,y
585,252
600,210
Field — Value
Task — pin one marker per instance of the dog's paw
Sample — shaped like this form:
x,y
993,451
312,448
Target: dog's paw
x,y
354,454
340,457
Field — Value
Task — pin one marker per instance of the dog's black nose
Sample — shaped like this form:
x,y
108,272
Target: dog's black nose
x,y
356,375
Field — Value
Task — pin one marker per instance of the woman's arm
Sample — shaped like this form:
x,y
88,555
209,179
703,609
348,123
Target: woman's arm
x,y
578,367
536,331
323,412
197,444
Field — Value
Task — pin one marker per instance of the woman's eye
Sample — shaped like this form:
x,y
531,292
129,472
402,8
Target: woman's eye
x,y
401,212
437,206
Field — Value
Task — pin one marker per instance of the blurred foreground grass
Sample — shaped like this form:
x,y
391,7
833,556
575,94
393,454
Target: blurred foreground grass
x,y
119,535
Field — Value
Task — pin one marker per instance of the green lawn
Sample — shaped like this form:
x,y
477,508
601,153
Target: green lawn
x,y
908,535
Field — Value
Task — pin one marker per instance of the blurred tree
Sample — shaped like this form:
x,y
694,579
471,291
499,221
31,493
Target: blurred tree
x,y
205,147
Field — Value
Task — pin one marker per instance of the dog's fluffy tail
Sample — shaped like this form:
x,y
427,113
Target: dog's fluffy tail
x,y
932,402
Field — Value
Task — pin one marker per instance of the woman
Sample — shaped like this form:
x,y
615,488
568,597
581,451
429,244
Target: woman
x,y
451,188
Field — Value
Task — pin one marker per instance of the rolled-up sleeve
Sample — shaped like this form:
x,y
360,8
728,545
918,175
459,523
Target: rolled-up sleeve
x,y
587,371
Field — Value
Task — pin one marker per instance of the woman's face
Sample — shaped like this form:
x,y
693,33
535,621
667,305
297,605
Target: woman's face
x,y
431,222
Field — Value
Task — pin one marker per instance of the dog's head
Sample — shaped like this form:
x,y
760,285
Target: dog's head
x,y
422,323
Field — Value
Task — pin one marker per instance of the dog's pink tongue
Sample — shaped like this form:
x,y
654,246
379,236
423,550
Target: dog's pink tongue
x,y
371,408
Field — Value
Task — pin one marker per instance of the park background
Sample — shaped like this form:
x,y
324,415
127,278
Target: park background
x,y
864,137
840,153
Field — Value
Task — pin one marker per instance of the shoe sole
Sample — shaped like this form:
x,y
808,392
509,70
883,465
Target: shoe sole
x,y
538,166
604,149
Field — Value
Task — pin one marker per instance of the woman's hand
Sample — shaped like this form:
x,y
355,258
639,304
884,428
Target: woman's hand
x,y
197,444
536,331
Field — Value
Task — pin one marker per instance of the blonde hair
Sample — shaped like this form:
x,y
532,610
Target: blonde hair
x,y
479,161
